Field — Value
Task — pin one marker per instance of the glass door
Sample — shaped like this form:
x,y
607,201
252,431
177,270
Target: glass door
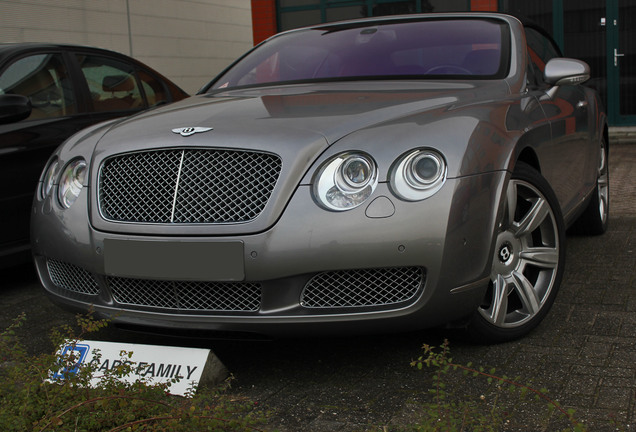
x,y
584,33
621,61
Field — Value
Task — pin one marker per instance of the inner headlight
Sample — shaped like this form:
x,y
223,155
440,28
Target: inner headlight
x,y
48,179
418,174
71,182
345,181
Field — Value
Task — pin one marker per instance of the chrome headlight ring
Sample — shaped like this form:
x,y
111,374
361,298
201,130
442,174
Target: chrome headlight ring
x,y
71,182
345,181
49,177
418,174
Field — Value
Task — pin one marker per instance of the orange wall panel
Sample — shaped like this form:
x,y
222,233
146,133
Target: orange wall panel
x,y
264,16
263,19
483,5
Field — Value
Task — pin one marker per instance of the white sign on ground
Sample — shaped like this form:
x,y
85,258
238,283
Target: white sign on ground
x,y
152,363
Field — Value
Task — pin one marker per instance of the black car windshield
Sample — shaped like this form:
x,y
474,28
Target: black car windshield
x,y
450,49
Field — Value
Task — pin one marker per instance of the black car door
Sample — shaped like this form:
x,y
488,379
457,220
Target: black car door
x,y
26,145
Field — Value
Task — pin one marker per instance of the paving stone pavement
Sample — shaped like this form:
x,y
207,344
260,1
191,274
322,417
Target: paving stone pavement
x,y
584,353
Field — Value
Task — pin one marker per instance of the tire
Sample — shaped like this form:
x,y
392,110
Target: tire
x,y
528,262
595,217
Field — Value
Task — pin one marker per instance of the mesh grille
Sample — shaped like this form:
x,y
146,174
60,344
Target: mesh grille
x,y
357,288
187,186
72,278
212,296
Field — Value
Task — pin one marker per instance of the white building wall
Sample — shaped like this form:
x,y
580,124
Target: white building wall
x,y
189,41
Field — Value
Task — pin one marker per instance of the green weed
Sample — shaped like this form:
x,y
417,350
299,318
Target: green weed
x,y
31,401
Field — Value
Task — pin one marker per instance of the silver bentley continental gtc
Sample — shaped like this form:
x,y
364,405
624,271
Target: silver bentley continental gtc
x,y
372,175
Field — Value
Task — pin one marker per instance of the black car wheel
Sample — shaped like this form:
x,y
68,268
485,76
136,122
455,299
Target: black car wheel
x,y
528,263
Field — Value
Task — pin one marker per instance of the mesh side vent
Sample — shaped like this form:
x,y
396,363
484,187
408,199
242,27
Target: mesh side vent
x,y
208,296
72,278
359,288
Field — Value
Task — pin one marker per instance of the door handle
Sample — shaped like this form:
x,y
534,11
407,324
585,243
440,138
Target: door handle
x,y
616,56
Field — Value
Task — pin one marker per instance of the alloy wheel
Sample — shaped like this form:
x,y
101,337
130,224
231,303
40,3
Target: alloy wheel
x,y
527,258
603,186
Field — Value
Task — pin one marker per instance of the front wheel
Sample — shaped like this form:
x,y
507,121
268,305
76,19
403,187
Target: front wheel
x,y
528,262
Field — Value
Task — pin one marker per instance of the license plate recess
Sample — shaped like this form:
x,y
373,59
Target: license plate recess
x,y
175,260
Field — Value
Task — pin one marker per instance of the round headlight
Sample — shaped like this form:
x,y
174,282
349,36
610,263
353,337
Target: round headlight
x,y
418,175
424,170
345,181
354,173
72,182
48,180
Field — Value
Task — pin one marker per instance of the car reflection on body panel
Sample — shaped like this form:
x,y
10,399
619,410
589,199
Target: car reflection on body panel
x,y
365,176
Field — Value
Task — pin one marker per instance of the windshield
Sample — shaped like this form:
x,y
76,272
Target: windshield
x,y
457,48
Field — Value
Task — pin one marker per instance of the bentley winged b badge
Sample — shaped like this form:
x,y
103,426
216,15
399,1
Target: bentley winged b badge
x,y
187,131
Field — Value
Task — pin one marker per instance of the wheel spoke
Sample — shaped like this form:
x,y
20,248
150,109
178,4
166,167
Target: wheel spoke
x,y
511,201
527,294
534,217
499,306
603,159
544,257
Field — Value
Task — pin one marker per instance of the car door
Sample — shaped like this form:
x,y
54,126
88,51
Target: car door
x,y
568,160
43,77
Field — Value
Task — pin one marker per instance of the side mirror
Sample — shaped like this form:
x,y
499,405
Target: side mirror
x,y
14,108
563,71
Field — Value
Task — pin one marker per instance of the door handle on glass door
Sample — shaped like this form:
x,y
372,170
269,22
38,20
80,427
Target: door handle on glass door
x,y
616,56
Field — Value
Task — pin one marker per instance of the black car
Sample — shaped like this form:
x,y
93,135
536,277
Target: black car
x,y
47,93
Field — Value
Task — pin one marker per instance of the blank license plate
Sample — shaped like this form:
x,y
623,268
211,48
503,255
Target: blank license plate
x,y
201,261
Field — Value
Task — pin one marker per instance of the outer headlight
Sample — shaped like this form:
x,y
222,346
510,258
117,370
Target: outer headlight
x,y
71,182
345,181
418,174
48,179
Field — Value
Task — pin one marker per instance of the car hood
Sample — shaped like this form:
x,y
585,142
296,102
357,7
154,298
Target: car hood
x,y
297,123
296,115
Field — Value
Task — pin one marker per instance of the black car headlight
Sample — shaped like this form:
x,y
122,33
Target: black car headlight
x,y
345,181
418,174
71,182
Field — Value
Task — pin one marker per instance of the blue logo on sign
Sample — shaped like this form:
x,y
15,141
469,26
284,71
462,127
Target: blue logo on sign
x,y
78,352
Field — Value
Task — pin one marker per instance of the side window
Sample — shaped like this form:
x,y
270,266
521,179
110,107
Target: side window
x,y
154,90
42,78
112,84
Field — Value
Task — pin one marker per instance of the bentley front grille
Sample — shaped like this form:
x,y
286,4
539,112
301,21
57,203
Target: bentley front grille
x,y
187,186
71,278
360,288
187,296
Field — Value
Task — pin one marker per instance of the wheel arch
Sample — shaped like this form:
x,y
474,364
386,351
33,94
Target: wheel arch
x,y
480,328
529,157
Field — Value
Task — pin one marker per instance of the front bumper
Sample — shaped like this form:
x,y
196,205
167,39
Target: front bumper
x,y
386,266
